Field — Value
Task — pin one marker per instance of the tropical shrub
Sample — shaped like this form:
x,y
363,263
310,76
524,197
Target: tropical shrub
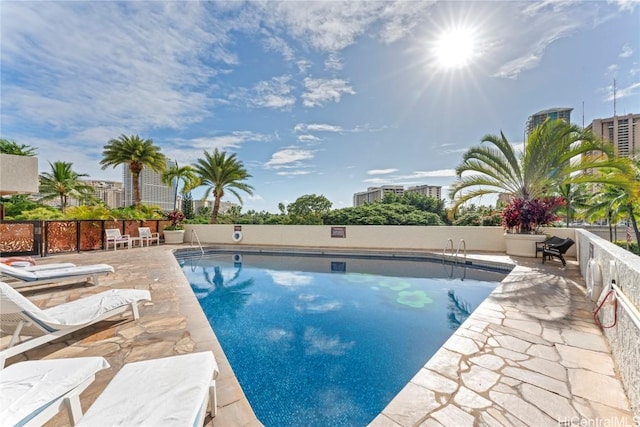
x,y
176,218
527,216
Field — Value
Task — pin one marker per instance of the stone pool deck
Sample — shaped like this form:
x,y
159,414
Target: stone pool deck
x,y
529,355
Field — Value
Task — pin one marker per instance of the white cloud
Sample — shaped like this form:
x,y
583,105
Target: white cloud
x,y
626,51
321,91
293,173
311,139
275,93
435,173
279,45
316,127
381,171
631,90
289,157
333,62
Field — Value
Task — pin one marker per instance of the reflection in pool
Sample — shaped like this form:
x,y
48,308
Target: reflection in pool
x,y
329,341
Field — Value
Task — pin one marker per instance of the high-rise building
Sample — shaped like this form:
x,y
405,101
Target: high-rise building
x,y
152,190
552,113
622,131
374,194
434,191
110,192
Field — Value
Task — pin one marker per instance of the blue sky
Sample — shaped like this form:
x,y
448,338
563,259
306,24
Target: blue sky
x,y
314,97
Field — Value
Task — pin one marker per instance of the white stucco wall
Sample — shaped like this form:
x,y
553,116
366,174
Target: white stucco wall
x,y
489,239
624,338
357,236
18,174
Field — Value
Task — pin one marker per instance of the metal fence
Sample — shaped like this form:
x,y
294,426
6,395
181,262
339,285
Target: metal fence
x,y
65,236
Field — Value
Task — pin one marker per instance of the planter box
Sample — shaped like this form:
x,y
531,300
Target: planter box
x,y
523,244
173,236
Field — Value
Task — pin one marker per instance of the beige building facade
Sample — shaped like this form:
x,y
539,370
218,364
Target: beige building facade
x,y
622,131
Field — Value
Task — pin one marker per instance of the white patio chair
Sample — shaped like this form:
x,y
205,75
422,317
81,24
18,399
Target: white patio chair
x,y
114,238
32,392
30,326
146,234
35,275
176,391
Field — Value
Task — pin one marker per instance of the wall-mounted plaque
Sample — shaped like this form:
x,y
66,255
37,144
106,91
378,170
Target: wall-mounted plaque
x,y
339,232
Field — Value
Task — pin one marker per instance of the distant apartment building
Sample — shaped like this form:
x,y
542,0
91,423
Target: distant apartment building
x,y
152,190
552,113
622,131
434,191
374,194
110,192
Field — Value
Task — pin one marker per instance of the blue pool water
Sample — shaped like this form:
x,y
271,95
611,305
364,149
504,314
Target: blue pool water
x,y
329,341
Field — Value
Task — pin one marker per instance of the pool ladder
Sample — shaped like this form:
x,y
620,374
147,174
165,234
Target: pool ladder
x,y
194,234
455,255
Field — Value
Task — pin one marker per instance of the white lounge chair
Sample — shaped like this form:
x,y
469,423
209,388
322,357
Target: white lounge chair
x,y
146,235
31,326
113,237
32,392
172,391
63,271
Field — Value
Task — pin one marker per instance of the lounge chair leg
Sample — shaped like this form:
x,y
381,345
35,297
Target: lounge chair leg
x,y
213,399
74,409
134,309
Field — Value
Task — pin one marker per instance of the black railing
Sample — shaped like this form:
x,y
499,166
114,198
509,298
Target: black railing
x,y
22,238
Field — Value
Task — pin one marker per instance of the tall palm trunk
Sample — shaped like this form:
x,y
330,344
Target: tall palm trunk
x,y
635,225
216,208
135,178
63,202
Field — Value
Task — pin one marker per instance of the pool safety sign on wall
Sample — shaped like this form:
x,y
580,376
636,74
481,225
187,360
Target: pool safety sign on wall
x,y
339,232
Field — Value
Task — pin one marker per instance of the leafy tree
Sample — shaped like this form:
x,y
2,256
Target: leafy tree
x,y
620,201
137,153
382,214
187,205
419,201
40,213
16,204
89,212
545,164
308,209
577,200
221,173
63,182
12,147
180,174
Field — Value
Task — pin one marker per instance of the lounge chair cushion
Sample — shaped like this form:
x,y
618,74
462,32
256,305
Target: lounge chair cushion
x,y
27,388
160,392
55,273
79,312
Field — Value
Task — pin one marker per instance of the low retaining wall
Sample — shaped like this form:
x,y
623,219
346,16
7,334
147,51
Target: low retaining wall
x,y
419,238
624,337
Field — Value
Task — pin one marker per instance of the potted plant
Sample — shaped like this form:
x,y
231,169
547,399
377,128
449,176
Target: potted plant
x,y
174,232
522,220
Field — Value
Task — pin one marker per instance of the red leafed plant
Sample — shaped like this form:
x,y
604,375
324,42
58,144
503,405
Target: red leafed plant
x,y
527,216
176,218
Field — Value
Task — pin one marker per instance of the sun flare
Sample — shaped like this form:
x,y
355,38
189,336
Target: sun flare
x,y
455,48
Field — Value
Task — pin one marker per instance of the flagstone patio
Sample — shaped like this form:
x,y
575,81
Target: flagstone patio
x,y
529,355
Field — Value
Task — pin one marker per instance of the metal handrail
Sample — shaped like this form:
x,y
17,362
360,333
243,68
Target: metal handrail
x,y
464,245
444,251
193,233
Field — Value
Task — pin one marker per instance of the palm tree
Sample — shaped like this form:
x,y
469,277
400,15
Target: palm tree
x,y
616,202
220,173
63,182
547,162
137,153
577,197
184,174
12,147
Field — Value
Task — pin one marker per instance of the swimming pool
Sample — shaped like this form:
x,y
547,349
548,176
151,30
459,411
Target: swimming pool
x,y
330,340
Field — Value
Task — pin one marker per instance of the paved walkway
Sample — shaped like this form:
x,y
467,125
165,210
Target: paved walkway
x,y
529,355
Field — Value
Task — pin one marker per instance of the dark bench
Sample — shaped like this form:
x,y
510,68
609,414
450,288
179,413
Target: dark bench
x,y
557,250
